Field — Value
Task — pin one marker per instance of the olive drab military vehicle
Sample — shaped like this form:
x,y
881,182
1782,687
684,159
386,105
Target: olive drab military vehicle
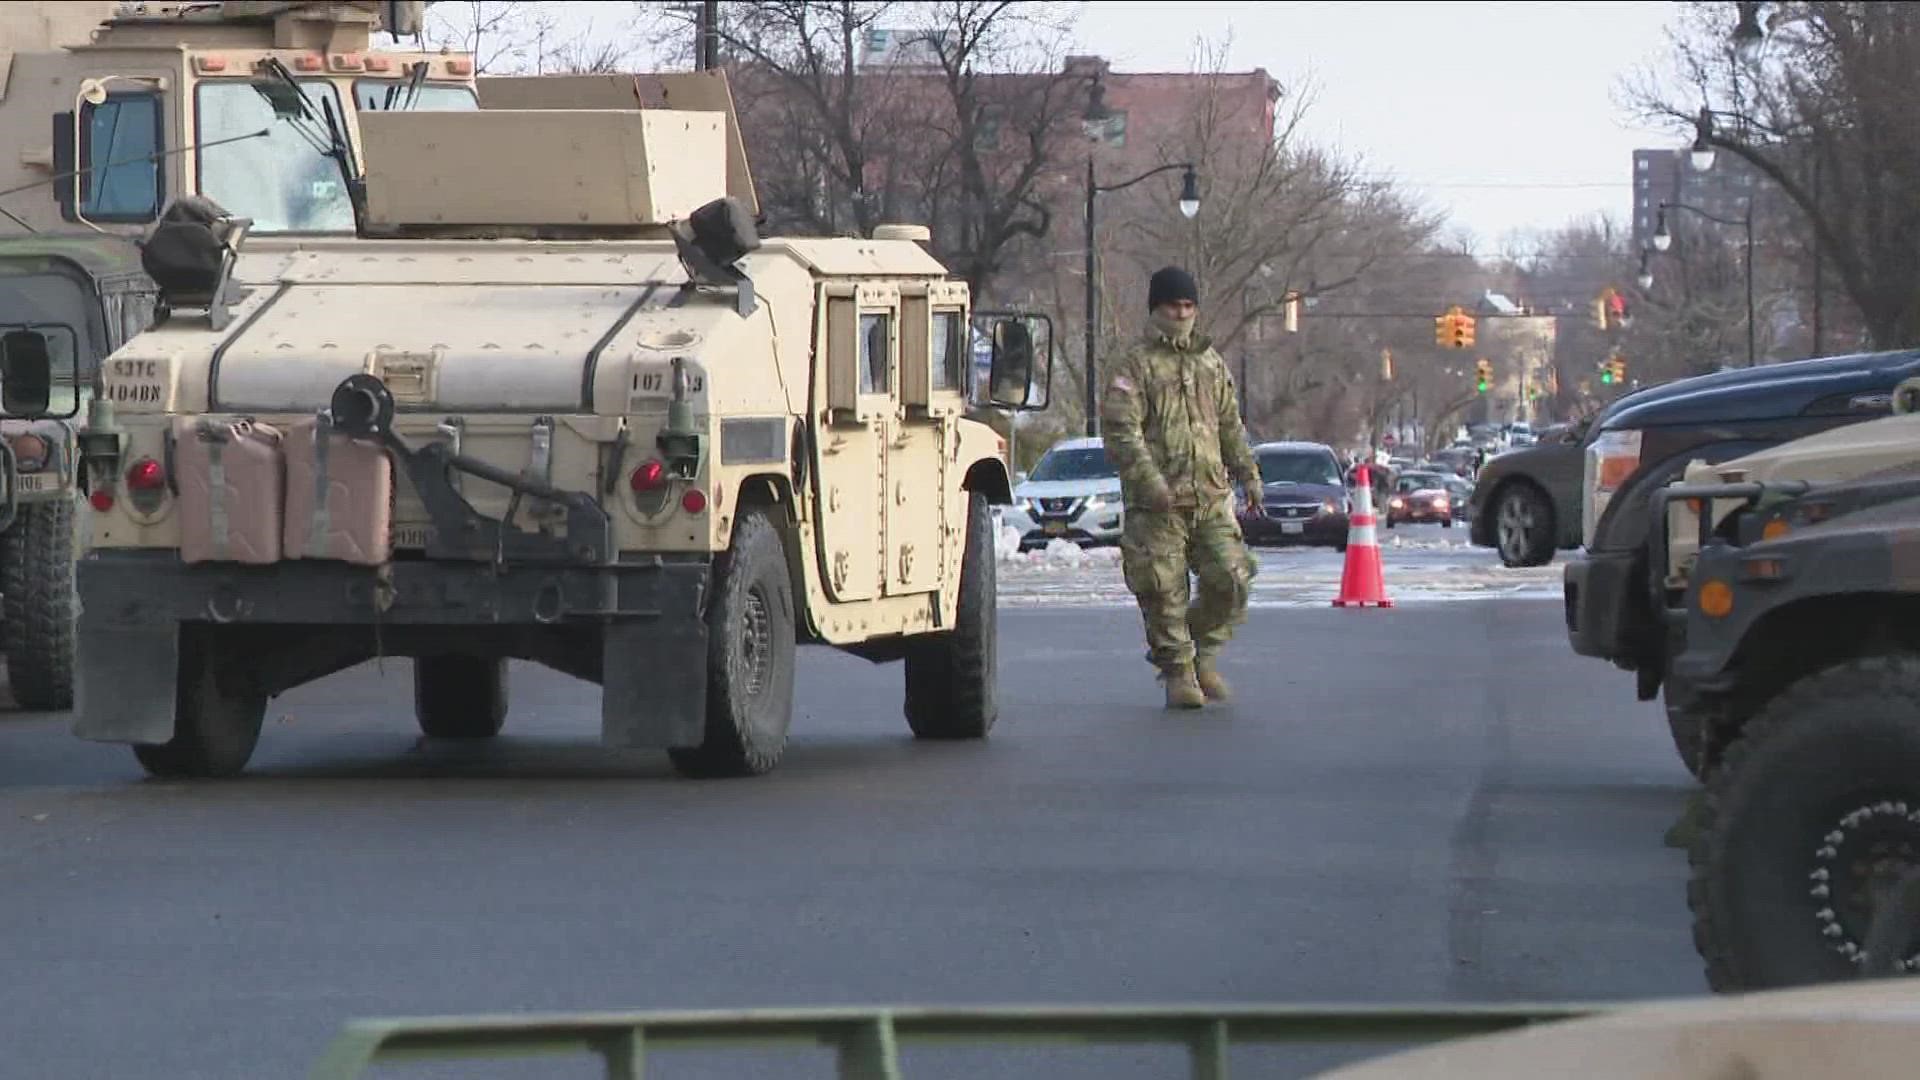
x,y
1883,448
1797,657
110,110
581,415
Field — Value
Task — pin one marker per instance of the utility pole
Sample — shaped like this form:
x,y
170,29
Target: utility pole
x,y
707,41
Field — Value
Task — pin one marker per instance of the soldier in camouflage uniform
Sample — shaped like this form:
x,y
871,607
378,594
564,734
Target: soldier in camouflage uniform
x,y
1171,423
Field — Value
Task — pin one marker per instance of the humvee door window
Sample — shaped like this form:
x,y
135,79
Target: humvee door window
x,y
38,373
876,353
117,139
380,95
280,180
949,345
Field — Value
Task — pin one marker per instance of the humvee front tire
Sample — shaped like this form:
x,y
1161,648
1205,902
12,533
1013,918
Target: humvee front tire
x,y
460,697
36,617
750,656
1810,812
951,675
218,711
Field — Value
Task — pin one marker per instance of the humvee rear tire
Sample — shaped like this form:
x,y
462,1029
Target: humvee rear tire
x,y
951,675
36,617
750,656
460,697
218,711
1809,810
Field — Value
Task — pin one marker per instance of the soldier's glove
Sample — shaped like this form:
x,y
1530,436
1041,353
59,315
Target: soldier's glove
x,y
1255,498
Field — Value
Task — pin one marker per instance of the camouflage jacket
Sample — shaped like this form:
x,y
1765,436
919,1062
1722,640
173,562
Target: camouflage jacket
x,y
1170,418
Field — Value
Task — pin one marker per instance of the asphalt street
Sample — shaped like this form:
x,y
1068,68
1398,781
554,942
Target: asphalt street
x,y
1437,802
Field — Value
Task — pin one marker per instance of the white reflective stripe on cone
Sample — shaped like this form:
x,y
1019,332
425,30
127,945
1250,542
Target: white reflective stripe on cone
x,y
1362,537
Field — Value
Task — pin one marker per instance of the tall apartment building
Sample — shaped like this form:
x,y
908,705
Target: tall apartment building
x,y
1667,176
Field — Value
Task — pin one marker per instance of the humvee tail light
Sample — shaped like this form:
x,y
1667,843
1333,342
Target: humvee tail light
x,y
648,477
694,501
102,499
146,475
1716,599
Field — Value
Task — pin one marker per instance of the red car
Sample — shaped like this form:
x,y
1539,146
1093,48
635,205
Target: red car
x,y
1419,497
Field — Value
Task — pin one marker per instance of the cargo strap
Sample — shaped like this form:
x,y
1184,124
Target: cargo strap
x,y
216,439
322,520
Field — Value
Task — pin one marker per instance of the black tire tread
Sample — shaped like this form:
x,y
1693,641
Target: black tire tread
x,y
1833,705
757,549
951,675
460,697
218,715
37,617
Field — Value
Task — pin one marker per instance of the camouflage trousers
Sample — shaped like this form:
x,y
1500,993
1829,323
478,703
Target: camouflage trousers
x,y
1158,550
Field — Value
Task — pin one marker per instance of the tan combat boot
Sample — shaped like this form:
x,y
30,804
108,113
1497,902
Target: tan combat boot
x,y
1210,681
1182,691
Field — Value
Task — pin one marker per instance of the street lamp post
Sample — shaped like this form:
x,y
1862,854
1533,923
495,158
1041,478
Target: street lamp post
x,y
1662,240
1189,205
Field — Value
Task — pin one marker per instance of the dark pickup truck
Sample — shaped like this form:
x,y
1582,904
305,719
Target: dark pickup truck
x,y
1645,441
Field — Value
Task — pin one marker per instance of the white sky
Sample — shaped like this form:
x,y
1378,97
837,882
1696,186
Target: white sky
x,y
1438,94
1503,114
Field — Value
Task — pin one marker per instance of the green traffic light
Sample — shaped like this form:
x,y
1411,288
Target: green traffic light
x,y
1482,386
1606,376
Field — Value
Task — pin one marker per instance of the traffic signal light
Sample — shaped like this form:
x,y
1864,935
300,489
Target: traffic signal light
x,y
1462,330
1482,374
1613,370
1619,370
1443,330
1293,313
1606,372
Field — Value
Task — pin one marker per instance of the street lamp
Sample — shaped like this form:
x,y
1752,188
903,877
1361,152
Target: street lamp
x,y
1645,277
1662,240
1189,206
1702,153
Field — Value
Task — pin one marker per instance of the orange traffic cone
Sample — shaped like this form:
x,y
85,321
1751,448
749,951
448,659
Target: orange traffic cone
x,y
1361,582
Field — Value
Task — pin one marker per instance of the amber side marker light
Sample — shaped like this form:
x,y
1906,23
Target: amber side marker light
x,y
1716,599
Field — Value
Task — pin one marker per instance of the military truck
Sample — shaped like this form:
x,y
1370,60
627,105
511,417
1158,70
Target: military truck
x,y
114,108
1799,652
583,416
65,302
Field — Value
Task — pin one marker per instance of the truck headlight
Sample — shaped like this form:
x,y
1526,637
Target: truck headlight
x,y
1610,460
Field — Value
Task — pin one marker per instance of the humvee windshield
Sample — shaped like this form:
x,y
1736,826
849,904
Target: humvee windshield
x,y
282,181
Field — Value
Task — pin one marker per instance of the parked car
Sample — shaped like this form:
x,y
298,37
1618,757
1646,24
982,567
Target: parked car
x,y
1649,438
1072,494
1526,503
1303,495
1419,497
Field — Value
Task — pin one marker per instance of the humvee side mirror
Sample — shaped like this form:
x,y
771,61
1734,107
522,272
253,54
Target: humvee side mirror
x,y
1018,344
27,373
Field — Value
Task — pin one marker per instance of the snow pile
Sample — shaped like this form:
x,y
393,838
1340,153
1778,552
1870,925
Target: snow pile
x,y
1058,555
1405,544
1006,543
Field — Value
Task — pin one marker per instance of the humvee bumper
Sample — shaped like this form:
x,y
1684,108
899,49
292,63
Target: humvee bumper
x,y
642,624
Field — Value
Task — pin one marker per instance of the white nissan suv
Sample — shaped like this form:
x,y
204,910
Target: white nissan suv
x,y
1072,494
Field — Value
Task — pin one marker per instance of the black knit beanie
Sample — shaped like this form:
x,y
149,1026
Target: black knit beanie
x,y
1171,283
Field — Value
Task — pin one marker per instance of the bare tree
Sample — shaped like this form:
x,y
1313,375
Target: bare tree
x,y
525,37
1006,115
1827,118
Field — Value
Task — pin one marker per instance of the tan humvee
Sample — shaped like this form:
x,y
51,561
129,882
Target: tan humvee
x,y
1833,456
108,110
626,438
